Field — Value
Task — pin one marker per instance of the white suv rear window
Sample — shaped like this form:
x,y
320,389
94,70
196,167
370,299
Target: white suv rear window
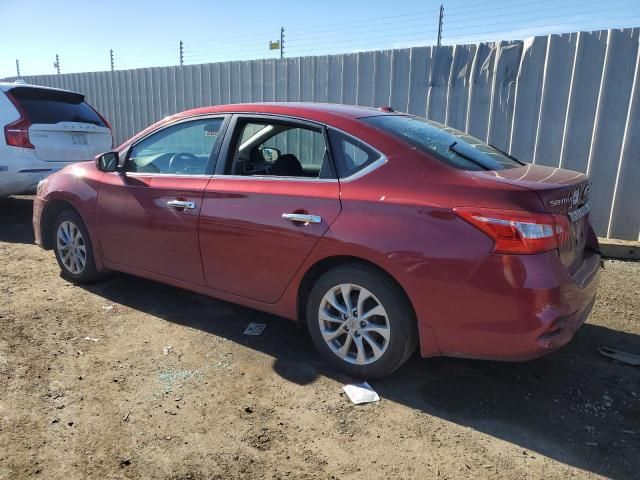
x,y
50,106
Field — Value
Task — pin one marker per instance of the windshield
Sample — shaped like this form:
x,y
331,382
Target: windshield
x,y
453,147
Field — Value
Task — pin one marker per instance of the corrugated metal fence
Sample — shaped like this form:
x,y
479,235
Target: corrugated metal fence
x,y
569,100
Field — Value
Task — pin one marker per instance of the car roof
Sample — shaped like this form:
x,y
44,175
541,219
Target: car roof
x,y
308,110
6,86
337,115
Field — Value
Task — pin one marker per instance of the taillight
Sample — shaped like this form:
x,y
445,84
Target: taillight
x,y
17,133
104,120
514,231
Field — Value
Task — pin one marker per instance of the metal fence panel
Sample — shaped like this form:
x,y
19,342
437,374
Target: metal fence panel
x,y
569,100
611,119
527,99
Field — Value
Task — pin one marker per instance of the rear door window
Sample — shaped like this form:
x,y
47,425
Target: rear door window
x,y
451,146
49,106
279,149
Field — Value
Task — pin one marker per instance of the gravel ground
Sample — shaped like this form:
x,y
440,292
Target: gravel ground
x,y
88,390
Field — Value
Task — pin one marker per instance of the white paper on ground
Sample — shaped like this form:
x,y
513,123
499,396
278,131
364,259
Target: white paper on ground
x,y
361,393
255,329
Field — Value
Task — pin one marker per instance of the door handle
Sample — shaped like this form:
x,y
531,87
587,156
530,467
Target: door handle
x,y
302,218
181,204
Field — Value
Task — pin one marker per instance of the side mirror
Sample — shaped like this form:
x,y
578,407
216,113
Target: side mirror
x,y
270,154
108,162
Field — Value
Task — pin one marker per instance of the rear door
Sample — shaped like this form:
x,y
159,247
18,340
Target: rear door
x,y
64,128
267,206
147,217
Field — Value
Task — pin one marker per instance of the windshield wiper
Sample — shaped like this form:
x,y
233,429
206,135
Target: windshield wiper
x,y
453,148
511,157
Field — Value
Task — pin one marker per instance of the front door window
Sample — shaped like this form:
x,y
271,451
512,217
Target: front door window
x,y
182,149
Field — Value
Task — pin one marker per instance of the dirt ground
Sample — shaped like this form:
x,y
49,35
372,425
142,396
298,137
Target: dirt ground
x,y
87,391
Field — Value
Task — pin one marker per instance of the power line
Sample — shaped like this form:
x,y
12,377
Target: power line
x,y
312,28
536,10
481,5
371,25
505,22
474,35
341,41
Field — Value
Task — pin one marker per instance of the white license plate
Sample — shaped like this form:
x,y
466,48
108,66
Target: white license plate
x,y
79,138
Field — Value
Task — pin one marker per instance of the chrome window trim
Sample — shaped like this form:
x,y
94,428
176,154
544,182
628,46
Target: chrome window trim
x,y
366,170
276,178
369,168
179,175
354,176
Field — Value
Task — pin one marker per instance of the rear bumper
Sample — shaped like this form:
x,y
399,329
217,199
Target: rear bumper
x,y
22,175
527,307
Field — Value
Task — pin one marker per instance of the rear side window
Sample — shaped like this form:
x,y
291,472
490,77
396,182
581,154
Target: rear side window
x,y
451,146
50,106
350,154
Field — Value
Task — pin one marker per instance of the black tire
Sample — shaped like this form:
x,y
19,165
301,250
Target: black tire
x,y
400,319
88,273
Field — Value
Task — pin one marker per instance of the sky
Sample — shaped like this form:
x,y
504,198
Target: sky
x,y
147,33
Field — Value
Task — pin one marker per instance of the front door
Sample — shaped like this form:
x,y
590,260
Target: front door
x,y
148,215
263,213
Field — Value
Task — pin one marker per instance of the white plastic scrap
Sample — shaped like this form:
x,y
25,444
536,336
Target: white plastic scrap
x,y
167,350
361,393
255,329
91,339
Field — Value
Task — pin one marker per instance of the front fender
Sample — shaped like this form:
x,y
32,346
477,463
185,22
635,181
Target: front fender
x,y
76,187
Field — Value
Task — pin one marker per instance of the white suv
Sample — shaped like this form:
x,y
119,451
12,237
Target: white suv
x,y
41,131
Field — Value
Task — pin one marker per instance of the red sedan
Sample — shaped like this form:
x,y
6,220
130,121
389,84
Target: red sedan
x,y
377,230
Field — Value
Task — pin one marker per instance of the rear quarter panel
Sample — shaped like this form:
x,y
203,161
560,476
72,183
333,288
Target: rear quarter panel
x,y
399,217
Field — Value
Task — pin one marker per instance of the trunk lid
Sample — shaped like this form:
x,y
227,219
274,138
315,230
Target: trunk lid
x,y
69,141
562,192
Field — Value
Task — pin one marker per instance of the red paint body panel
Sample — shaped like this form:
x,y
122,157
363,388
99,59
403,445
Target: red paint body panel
x,y
248,249
236,246
136,227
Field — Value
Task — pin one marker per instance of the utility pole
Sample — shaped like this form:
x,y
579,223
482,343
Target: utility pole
x,y
181,53
18,67
281,42
440,24
111,58
57,64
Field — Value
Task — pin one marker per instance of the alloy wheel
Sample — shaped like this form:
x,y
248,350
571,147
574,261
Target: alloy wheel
x,y
71,247
354,324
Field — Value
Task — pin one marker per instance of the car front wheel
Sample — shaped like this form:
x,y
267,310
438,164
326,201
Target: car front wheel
x,y
361,322
72,247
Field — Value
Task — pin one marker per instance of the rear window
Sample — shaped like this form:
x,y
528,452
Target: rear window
x,y
451,146
49,106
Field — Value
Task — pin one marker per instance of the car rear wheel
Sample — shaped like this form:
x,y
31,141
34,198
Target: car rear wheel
x,y
72,247
361,322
